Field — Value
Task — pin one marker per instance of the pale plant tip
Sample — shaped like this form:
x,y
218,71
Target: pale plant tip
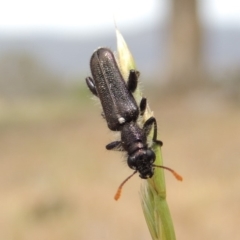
x,y
125,58
126,63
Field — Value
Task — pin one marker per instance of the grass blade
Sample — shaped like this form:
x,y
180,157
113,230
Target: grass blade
x,y
153,192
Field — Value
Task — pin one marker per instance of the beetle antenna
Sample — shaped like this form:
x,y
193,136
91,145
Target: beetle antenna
x,y
118,193
176,175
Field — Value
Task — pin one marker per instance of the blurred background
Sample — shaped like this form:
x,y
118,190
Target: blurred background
x,y
57,181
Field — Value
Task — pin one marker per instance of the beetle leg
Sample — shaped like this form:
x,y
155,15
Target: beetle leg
x,y
132,80
116,145
91,85
147,128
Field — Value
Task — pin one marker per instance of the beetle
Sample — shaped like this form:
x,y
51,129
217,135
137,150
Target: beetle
x,y
107,83
121,112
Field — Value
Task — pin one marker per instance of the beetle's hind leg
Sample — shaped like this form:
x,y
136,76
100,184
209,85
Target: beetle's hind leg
x,y
133,80
91,86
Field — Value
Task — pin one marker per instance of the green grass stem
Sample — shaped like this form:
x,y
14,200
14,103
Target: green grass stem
x,y
153,192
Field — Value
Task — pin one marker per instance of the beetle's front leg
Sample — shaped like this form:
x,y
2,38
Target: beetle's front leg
x,y
147,128
116,145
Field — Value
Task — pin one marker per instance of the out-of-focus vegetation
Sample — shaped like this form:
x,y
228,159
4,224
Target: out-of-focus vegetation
x,y
57,181
23,76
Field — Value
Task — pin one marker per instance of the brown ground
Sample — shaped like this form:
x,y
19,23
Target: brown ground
x,y
57,181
